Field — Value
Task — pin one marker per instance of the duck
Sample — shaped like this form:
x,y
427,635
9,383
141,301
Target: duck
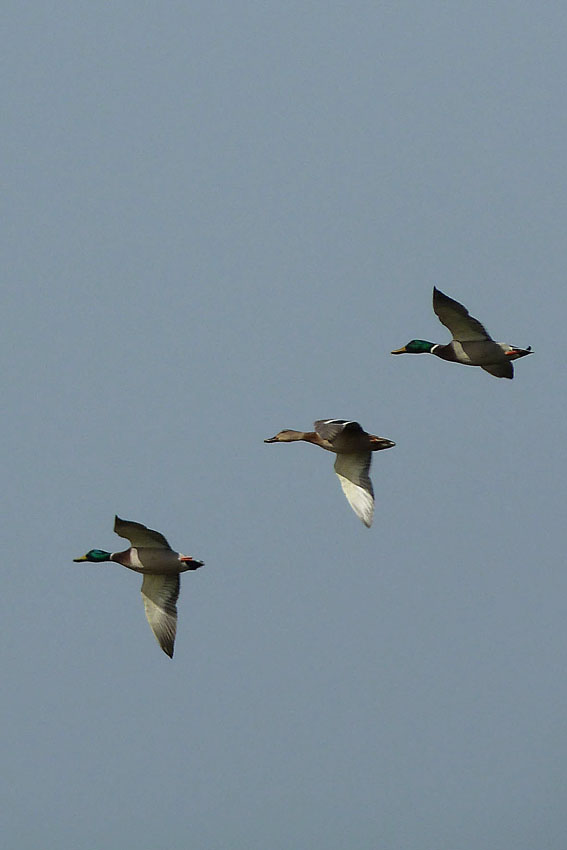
x,y
471,345
353,447
150,554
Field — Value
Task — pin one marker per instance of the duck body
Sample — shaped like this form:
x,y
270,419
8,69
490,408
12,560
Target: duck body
x,y
487,354
471,345
154,561
353,447
151,555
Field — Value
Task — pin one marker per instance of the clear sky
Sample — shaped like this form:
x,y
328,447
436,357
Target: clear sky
x,y
221,217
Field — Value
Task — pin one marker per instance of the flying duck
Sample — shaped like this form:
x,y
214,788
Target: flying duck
x,y
471,345
353,447
151,554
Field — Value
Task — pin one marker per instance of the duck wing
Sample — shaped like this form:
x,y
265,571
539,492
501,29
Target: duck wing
x,y
352,470
502,369
160,593
139,535
456,317
329,429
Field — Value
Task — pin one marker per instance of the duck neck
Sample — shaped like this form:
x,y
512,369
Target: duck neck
x,y
123,558
316,439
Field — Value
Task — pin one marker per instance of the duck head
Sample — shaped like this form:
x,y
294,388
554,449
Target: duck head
x,y
95,556
415,346
286,436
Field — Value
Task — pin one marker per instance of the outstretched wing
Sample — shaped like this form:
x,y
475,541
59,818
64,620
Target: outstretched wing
x,y
352,470
140,536
160,593
500,370
456,317
330,429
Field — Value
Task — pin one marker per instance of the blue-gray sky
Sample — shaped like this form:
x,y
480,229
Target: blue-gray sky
x,y
221,217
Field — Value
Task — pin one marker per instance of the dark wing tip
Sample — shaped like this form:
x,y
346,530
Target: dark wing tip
x,y
440,296
118,521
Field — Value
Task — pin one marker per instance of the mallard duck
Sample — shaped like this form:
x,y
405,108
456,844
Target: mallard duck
x,y
471,345
151,554
353,447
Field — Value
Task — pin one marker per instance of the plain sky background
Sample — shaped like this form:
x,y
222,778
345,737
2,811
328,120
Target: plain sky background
x,y
220,219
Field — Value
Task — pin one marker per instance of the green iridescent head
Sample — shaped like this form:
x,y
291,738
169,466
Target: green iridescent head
x,y
94,555
416,346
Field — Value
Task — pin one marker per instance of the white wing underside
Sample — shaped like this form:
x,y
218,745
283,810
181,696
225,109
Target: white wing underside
x,y
160,593
352,471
